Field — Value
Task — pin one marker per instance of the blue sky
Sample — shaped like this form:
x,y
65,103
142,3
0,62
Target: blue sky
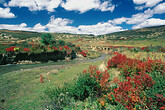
x,y
81,16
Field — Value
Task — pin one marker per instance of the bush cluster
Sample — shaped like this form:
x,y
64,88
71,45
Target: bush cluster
x,y
142,88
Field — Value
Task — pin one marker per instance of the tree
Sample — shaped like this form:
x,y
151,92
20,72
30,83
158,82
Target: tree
x,y
46,39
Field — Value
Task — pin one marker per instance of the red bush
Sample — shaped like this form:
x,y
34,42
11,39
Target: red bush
x,y
130,93
26,49
101,77
10,49
66,47
54,48
60,48
131,67
41,79
116,60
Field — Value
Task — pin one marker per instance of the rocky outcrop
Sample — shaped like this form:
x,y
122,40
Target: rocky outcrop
x,y
102,67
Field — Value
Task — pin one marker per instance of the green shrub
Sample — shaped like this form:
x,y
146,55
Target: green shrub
x,y
156,95
46,39
85,86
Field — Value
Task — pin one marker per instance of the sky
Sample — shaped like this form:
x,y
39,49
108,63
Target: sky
x,y
95,17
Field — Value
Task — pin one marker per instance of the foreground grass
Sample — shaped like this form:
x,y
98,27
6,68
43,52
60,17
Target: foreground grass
x,y
22,90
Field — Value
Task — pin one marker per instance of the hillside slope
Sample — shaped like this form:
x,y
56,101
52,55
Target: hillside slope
x,y
143,33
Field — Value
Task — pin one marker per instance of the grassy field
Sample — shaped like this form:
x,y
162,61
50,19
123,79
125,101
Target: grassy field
x,y
22,90
20,84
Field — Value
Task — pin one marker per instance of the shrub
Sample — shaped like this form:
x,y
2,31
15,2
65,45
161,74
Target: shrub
x,y
10,49
131,67
46,39
130,93
85,86
116,60
156,95
90,84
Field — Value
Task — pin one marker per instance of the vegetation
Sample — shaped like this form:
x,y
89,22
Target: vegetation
x,y
20,34
133,78
138,34
47,39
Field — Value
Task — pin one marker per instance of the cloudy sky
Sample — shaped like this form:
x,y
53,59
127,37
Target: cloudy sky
x,y
81,16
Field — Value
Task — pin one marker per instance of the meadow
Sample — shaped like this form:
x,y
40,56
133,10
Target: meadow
x,y
132,78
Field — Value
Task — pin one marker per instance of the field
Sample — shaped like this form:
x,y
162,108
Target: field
x,y
124,70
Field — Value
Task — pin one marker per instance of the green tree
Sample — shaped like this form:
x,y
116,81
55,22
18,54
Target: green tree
x,y
46,39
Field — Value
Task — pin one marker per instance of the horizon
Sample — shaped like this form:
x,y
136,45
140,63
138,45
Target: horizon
x,y
96,17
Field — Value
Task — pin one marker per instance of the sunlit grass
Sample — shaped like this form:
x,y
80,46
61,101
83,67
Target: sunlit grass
x,y
22,90
144,55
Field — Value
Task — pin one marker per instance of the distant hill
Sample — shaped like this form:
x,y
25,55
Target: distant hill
x,y
30,34
143,33
136,34
20,34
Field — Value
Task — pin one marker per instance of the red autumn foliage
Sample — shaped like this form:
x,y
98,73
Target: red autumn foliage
x,y
143,48
116,60
60,48
129,92
65,47
41,79
101,77
48,47
54,48
10,49
83,53
162,50
26,49
133,66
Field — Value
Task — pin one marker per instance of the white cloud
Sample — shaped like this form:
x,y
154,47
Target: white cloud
x,y
70,5
140,17
85,5
80,5
62,26
35,5
23,3
120,20
159,9
147,3
39,28
106,6
135,19
99,28
139,7
150,22
5,13
22,26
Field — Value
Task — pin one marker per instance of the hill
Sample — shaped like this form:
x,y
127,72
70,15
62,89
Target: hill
x,y
19,34
139,34
136,34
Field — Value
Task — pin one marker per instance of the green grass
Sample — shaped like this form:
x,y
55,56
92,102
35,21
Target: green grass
x,y
22,90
